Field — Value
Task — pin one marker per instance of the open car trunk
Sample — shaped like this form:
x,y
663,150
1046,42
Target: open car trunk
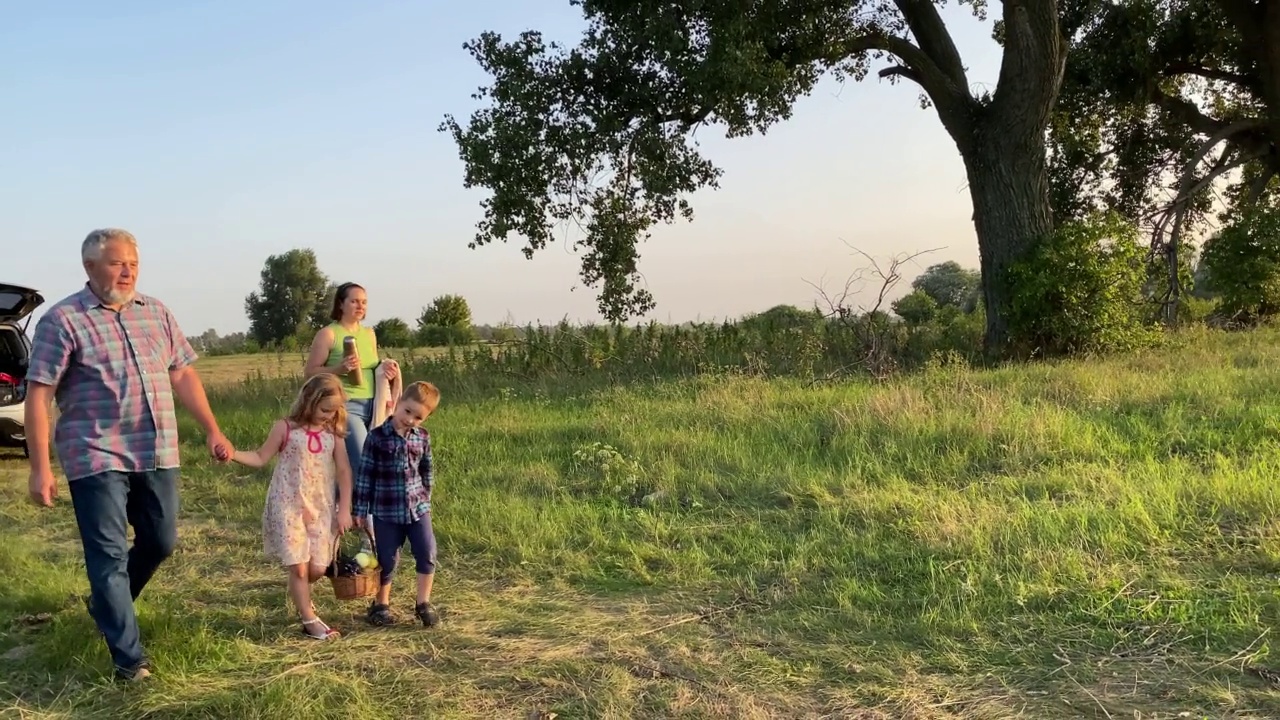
x,y
17,302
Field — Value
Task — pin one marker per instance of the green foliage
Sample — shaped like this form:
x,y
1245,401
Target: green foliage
x,y
442,336
504,333
1243,266
916,308
394,333
293,298
872,344
1081,290
782,318
950,285
599,136
1147,84
446,321
446,311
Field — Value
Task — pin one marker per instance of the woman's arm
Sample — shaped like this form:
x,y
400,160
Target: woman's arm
x,y
362,489
260,457
344,477
319,355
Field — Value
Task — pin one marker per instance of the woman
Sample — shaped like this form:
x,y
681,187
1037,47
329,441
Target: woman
x,y
349,304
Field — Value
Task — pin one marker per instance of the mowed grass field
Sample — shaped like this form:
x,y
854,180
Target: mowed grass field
x,y
1093,539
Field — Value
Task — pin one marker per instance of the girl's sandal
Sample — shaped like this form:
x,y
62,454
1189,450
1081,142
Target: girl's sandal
x,y
329,633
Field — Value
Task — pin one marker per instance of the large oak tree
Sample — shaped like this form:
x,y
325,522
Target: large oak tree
x,y
601,134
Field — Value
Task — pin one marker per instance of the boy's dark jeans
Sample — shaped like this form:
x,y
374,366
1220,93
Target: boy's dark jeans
x,y
103,504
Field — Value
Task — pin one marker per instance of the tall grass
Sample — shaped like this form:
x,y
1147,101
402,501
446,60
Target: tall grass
x,y
1079,539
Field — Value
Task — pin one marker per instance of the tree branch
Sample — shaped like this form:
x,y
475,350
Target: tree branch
x,y
688,119
901,71
1034,60
1176,212
1188,187
1186,68
934,38
953,102
1259,186
1186,112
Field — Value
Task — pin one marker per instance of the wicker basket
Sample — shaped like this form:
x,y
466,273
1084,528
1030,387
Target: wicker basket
x,y
353,587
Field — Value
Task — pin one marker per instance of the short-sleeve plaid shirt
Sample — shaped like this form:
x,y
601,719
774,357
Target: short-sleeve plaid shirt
x,y
394,480
110,371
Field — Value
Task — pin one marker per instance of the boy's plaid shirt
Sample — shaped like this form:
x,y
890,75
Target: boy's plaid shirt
x,y
394,478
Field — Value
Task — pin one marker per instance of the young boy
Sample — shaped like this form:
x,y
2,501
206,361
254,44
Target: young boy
x,y
393,484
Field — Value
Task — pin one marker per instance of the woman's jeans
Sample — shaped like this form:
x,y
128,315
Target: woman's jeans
x,y
359,417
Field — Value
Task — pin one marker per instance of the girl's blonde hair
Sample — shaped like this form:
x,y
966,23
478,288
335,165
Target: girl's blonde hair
x,y
307,405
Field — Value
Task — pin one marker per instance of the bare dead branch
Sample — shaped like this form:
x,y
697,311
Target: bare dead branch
x,y
870,332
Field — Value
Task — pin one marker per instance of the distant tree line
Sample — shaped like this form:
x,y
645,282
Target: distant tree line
x,y
293,300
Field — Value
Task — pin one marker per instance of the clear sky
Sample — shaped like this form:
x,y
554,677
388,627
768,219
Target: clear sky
x,y
222,132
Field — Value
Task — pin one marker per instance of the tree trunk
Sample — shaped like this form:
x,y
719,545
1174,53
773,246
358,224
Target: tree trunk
x,y
1009,185
1002,141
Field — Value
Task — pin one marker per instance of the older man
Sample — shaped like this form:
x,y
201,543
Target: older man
x,y
115,359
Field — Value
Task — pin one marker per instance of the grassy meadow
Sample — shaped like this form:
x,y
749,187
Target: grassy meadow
x,y
1090,539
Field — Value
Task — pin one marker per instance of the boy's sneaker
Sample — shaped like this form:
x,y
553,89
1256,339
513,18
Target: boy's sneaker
x,y
427,614
380,614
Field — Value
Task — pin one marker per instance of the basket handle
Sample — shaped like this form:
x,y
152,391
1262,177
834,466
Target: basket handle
x,y
337,543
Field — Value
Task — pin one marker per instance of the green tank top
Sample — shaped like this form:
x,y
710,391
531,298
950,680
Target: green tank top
x,y
366,346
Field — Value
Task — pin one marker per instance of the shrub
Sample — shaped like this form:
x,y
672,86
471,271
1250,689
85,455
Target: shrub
x,y
916,308
1242,265
1081,290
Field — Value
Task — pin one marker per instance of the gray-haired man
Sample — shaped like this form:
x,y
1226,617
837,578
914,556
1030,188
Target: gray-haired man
x,y
115,360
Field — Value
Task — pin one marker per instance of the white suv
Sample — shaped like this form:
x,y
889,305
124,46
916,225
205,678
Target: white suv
x,y
16,305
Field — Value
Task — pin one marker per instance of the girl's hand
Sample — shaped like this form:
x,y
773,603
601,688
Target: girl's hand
x,y
350,363
392,370
344,522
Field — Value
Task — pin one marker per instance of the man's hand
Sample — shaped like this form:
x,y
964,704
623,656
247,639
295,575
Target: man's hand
x,y
220,447
43,487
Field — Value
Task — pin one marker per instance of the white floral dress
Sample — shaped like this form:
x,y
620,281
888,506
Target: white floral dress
x,y
300,519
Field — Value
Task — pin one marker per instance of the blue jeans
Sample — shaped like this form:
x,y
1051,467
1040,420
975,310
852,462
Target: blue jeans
x,y
103,504
359,417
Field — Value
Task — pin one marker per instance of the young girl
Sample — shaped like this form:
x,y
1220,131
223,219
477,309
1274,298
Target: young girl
x,y
393,485
299,523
